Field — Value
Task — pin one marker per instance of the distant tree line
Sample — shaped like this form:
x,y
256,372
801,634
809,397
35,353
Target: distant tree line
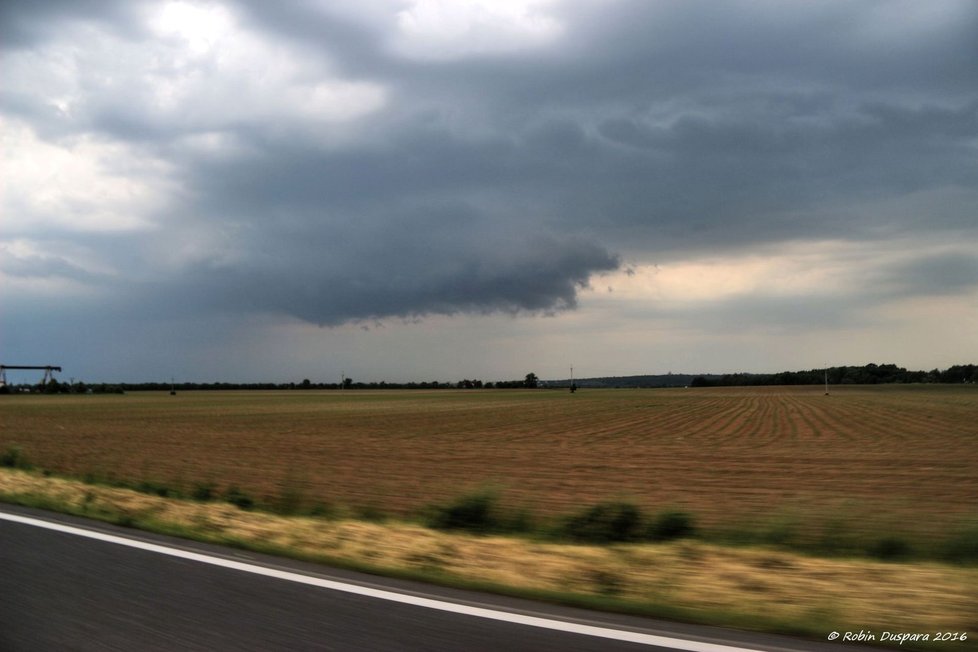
x,y
870,374
56,387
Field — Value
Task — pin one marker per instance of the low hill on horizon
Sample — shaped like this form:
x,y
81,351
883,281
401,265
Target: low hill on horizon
x,y
869,374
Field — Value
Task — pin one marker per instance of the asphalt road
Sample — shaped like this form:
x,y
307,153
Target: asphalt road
x,y
60,590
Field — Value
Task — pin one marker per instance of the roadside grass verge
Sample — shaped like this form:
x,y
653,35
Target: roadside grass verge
x,y
757,588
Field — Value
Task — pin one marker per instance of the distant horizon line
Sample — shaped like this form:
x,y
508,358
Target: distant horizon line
x,y
970,368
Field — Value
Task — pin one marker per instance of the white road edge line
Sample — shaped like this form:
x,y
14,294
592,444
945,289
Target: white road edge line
x,y
380,594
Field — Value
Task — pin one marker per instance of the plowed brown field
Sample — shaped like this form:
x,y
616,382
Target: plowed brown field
x,y
896,459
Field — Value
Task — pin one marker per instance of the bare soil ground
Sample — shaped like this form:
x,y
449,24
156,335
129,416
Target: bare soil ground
x,y
863,460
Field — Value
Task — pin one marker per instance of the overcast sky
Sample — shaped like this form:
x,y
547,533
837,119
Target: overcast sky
x,y
438,189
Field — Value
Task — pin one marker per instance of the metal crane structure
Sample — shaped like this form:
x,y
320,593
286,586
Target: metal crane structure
x,y
48,371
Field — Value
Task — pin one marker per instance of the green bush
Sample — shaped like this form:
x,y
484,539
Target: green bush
x,y
605,523
204,491
962,546
14,458
324,510
671,525
289,502
239,498
780,531
156,489
370,513
890,549
475,512
520,521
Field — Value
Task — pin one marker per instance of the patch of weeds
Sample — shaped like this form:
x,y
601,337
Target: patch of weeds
x,y
324,510
289,502
238,498
99,477
735,535
671,525
782,532
370,513
962,546
836,540
821,617
37,500
752,585
203,522
156,489
691,553
775,562
425,560
520,521
14,458
204,491
370,553
891,549
606,582
605,523
476,512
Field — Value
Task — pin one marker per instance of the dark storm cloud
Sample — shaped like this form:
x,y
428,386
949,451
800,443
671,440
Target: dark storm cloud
x,y
542,276
677,125
404,263
504,181
677,47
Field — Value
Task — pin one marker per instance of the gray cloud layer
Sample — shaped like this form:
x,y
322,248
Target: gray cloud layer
x,y
505,181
